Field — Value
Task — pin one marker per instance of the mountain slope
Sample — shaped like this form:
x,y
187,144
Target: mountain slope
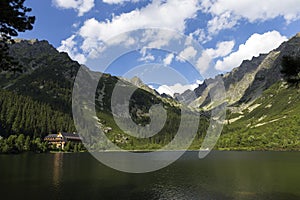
x,y
247,82
48,79
47,74
263,109
272,121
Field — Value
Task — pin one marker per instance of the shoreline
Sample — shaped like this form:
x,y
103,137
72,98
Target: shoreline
x,y
153,150
194,150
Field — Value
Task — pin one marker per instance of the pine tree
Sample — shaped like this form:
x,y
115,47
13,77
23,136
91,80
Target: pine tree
x,y
13,19
27,144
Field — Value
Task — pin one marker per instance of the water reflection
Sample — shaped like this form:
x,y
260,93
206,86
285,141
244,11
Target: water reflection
x,y
57,170
221,175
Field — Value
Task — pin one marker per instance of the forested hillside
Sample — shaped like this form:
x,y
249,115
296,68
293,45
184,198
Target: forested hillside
x,y
20,114
37,102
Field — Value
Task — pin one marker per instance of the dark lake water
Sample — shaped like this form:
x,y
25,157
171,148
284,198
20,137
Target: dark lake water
x,y
221,175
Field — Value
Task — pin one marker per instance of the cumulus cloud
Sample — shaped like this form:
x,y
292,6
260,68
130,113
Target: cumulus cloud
x,y
200,35
118,1
69,46
226,13
222,49
203,62
256,44
173,14
170,14
147,57
81,6
168,59
177,88
223,21
157,38
187,54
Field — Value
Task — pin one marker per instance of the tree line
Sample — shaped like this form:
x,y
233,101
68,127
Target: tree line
x,y
21,114
21,143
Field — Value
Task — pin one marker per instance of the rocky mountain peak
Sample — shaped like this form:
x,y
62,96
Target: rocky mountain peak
x,y
136,81
246,82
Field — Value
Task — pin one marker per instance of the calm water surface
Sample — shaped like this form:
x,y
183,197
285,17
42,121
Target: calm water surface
x,y
221,175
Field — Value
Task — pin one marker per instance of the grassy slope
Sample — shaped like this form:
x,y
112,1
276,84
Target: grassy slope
x,y
273,125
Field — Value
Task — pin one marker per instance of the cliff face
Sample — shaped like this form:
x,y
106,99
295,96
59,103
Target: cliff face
x,y
270,72
247,82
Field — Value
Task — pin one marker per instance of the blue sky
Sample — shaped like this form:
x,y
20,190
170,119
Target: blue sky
x,y
226,32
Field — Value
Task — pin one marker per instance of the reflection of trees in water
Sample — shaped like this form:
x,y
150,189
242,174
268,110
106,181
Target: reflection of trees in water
x,y
57,170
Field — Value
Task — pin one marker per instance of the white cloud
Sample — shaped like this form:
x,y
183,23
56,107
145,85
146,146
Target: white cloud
x,y
97,35
118,1
170,14
168,59
187,54
157,38
256,44
203,62
81,6
165,89
69,46
201,36
222,49
76,25
226,13
151,86
177,88
220,22
147,57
